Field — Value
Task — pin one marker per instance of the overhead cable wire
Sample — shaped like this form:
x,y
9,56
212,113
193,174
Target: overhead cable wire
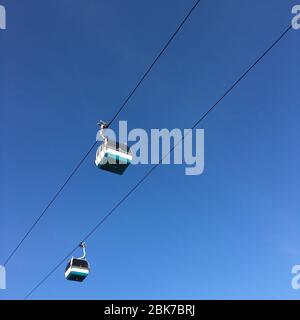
x,y
123,105
100,223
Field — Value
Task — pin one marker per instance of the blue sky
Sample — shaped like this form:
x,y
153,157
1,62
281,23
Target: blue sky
x,y
232,232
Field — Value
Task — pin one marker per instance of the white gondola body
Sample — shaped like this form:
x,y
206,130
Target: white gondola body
x,y
113,156
77,270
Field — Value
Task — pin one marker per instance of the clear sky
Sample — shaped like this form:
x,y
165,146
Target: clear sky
x,y
232,232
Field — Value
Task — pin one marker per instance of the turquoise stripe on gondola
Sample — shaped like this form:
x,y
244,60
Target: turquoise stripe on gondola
x,y
76,273
116,157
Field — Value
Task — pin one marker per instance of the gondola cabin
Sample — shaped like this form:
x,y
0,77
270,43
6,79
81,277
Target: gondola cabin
x,y
113,156
77,270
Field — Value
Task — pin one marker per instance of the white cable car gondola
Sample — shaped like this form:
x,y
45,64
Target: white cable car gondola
x,y
112,156
78,268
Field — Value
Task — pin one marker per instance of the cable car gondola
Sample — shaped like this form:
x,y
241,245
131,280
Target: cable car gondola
x,y
111,155
78,268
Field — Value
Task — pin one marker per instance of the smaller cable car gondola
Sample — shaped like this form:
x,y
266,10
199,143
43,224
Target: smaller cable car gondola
x,y
78,268
111,155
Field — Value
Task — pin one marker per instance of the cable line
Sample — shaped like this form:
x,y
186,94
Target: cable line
x,y
154,62
49,204
100,223
95,143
